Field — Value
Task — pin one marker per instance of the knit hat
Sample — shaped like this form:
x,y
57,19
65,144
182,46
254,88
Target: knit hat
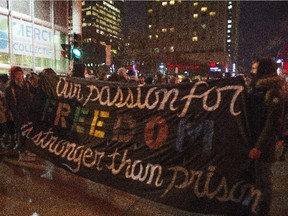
x,y
13,70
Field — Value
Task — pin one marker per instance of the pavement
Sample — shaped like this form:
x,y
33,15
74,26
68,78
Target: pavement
x,y
23,192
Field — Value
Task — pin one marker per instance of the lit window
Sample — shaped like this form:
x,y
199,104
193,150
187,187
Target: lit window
x,y
171,29
212,13
149,26
195,16
230,7
150,36
229,26
195,4
172,2
164,3
229,21
150,10
156,36
203,26
204,9
195,38
157,50
228,31
230,2
171,49
164,30
229,41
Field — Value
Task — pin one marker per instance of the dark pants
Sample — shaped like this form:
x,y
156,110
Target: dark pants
x,y
264,184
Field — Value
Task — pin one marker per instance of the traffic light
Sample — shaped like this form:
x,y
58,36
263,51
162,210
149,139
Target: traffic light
x,y
76,51
66,52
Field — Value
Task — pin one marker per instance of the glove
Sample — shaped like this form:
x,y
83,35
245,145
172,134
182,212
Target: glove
x,y
254,153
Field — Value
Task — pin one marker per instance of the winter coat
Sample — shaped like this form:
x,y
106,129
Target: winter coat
x,y
19,102
266,108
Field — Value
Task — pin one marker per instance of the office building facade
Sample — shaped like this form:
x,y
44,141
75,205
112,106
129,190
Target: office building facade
x,y
102,37
31,33
194,35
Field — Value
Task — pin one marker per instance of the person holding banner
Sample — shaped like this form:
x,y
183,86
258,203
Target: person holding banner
x,y
19,98
79,70
122,75
266,108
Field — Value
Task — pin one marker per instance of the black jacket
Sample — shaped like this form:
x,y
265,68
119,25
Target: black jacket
x,y
266,108
19,102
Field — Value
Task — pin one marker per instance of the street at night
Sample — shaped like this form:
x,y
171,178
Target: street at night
x,y
143,108
23,192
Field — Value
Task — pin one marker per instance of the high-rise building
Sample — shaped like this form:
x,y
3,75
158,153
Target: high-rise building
x,y
194,35
102,39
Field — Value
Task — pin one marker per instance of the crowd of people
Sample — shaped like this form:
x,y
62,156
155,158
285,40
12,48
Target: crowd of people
x,y
267,106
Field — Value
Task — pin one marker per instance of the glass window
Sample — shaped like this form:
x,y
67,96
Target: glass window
x,y
4,4
40,7
150,10
21,7
204,9
164,3
212,13
164,30
60,12
172,2
195,16
4,44
194,38
195,4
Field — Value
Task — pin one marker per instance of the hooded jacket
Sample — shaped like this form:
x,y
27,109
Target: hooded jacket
x,y
266,108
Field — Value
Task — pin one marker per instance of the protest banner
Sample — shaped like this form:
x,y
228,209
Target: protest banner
x,y
182,145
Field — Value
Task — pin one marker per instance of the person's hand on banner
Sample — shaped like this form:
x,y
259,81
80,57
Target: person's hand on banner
x,y
254,153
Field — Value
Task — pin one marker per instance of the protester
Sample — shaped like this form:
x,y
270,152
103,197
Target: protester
x,y
266,108
141,80
149,80
48,71
3,118
78,70
173,80
33,83
132,77
114,77
123,77
18,97
186,79
49,167
8,135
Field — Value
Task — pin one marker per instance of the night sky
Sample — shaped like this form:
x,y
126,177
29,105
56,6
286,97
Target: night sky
x,y
262,31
